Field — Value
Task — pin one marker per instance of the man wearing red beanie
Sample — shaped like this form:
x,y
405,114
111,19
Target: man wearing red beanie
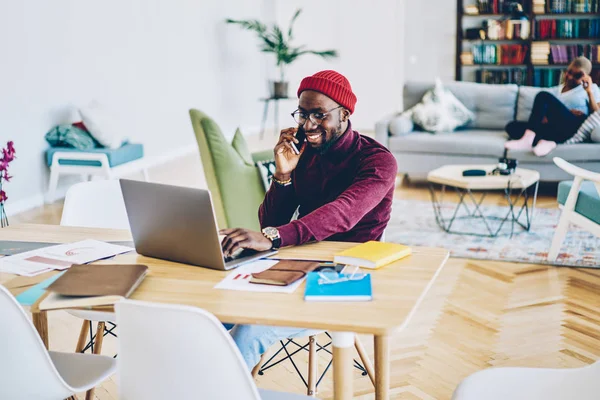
x,y
341,182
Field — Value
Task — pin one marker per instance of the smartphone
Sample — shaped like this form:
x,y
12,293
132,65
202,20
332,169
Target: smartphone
x,y
301,136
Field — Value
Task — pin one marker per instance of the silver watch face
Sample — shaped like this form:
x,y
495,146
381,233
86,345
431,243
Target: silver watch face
x,y
271,232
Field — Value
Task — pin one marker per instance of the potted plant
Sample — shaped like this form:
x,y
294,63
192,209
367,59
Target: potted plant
x,y
273,40
8,154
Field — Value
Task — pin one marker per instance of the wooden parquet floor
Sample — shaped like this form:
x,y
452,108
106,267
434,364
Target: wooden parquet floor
x,y
478,314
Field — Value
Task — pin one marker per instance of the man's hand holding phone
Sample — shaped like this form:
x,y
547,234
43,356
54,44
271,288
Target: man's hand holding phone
x,y
287,152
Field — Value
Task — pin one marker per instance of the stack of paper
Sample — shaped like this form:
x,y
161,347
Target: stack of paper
x,y
59,257
239,279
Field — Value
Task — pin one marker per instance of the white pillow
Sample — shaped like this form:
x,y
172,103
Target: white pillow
x,y
401,125
440,111
102,125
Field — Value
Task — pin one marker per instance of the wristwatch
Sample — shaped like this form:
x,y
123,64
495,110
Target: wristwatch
x,y
273,235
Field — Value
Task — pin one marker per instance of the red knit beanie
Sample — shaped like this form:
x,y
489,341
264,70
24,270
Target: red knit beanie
x,y
333,85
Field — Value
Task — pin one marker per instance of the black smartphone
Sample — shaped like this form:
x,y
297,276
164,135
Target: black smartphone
x,y
301,136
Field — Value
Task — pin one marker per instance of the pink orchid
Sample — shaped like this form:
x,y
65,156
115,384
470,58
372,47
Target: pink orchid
x,y
7,177
11,147
3,196
3,164
8,156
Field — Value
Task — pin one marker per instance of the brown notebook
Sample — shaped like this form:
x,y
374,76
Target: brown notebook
x,y
93,285
284,273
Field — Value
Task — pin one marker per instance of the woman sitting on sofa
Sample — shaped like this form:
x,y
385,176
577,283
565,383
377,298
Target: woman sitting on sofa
x,y
557,115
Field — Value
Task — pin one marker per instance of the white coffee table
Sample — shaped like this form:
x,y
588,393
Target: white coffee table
x,y
519,189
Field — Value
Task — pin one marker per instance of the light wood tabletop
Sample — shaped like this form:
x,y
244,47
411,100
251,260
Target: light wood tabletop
x,y
451,175
398,289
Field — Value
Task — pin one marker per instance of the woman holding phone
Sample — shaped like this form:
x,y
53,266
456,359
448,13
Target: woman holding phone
x,y
558,113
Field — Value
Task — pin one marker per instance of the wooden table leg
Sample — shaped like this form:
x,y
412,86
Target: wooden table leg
x,y
364,357
382,367
312,367
89,395
342,365
40,321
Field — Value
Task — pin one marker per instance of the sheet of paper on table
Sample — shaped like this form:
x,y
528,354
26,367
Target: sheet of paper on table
x,y
60,257
239,279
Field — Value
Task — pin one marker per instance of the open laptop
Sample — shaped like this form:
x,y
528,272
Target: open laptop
x,y
178,224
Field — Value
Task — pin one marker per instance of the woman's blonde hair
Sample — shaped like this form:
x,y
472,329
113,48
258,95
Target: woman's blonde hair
x,y
583,64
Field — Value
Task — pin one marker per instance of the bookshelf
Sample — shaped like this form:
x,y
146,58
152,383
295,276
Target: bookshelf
x,y
534,52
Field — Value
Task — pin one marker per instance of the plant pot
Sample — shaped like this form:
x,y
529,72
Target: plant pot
x,y
279,90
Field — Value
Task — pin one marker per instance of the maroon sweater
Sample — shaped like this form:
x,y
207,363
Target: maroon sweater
x,y
344,195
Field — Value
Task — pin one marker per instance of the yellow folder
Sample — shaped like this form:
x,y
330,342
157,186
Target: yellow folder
x,y
372,254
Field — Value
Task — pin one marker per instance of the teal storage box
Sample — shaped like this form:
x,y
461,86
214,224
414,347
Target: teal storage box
x,y
124,154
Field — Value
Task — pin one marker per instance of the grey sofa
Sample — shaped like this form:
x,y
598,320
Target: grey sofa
x,y
482,141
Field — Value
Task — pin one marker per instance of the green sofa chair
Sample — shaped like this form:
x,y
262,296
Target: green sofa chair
x,y
233,179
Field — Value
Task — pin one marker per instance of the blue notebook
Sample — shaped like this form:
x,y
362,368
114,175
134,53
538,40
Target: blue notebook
x,y
31,295
349,290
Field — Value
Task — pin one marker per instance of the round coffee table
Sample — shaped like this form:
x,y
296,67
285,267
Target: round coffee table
x,y
519,189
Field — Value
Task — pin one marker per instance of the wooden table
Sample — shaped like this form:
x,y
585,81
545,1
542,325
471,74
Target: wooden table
x,y
397,291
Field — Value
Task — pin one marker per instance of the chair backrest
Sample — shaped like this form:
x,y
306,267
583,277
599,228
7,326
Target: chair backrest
x,y
95,204
26,370
232,178
177,352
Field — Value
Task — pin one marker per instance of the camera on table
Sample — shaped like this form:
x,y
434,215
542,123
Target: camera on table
x,y
506,166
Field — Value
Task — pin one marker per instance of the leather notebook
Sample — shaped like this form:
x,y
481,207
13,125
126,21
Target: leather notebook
x,y
93,285
284,273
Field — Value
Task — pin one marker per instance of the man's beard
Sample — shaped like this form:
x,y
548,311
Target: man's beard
x,y
331,141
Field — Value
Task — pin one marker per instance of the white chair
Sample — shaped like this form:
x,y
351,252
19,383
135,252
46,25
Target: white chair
x,y
187,354
581,207
531,384
95,204
29,371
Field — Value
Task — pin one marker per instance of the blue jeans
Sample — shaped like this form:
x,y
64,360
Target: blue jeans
x,y
254,340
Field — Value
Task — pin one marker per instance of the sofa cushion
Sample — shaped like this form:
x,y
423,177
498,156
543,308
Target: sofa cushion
x,y
468,142
570,152
493,105
440,111
401,125
588,201
525,101
127,152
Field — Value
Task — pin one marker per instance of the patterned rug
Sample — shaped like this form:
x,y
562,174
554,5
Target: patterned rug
x,y
413,223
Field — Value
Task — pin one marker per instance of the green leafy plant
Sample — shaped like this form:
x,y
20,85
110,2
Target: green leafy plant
x,y
273,40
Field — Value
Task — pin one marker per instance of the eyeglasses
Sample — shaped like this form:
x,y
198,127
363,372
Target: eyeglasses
x,y
315,117
330,276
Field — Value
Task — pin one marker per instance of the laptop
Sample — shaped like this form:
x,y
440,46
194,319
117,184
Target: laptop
x,y
178,224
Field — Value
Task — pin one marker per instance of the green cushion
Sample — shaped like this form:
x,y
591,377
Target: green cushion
x,y
70,136
126,153
588,202
235,185
240,145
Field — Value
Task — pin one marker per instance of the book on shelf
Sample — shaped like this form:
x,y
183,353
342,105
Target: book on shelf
x,y
573,6
539,6
91,285
567,29
498,6
466,58
372,254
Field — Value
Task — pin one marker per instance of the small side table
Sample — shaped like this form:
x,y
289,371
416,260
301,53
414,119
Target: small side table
x,y
523,183
266,112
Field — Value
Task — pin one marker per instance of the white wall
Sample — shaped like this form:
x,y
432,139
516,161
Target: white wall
x,y
369,36
429,40
152,60
148,60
